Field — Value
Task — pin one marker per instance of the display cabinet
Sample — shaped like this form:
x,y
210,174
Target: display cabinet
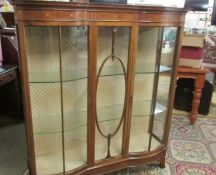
x,y
98,84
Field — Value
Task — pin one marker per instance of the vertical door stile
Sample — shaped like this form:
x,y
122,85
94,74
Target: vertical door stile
x,y
173,83
26,96
129,89
61,86
92,55
156,79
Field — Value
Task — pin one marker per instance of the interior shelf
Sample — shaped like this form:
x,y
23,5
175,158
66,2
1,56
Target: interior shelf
x,y
150,68
110,113
79,74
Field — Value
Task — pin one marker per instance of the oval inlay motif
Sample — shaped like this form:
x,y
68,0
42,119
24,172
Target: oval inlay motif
x,y
110,99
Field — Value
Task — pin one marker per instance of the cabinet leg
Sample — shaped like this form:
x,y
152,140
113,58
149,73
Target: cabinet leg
x,y
162,162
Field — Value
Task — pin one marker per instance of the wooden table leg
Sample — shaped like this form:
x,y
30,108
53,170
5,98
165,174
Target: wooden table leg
x,y
199,83
198,75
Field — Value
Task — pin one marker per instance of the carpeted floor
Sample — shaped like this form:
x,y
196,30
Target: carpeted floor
x,y
191,150
13,152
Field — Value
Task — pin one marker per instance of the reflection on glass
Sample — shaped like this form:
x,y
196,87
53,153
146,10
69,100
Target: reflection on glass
x,y
162,98
112,58
164,82
143,89
169,41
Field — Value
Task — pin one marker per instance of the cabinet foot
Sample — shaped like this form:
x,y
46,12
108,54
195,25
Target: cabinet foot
x,y
162,163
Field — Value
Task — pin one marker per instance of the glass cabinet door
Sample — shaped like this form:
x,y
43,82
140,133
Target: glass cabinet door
x,y
150,97
164,79
57,60
112,60
144,82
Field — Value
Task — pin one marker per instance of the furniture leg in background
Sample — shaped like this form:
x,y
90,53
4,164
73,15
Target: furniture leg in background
x,y
199,76
9,91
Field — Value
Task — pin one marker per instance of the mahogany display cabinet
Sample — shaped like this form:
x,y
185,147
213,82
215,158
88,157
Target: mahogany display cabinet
x,y
98,82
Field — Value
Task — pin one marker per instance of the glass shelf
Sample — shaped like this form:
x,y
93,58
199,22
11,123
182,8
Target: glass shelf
x,y
70,118
110,113
79,74
150,68
143,108
54,77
